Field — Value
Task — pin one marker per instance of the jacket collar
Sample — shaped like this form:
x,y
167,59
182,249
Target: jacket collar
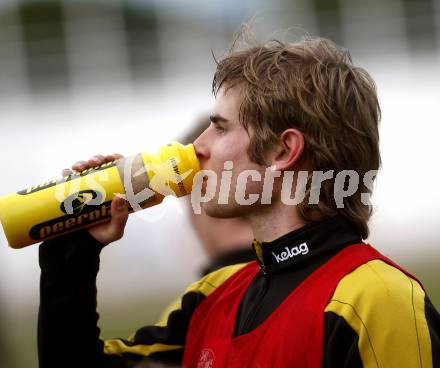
x,y
305,244
240,255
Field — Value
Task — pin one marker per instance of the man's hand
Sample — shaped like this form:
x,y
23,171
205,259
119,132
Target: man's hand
x,y
106,232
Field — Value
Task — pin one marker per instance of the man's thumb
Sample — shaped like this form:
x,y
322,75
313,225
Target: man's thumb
x,y
119,213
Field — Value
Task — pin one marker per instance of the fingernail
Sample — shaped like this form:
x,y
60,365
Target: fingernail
x,y
120,203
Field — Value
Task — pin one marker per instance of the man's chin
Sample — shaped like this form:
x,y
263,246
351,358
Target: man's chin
x,y
221,211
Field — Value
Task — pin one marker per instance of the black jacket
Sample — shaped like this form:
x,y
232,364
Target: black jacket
x,y
357,318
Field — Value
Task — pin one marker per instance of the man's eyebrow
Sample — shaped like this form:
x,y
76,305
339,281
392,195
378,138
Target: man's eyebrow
x,y
218,119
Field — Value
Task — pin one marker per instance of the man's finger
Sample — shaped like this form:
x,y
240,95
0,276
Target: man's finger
x,y
80,166
119,213
113,157
96,160
66,172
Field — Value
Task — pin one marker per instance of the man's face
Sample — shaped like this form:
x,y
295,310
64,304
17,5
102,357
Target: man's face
x,y
227,140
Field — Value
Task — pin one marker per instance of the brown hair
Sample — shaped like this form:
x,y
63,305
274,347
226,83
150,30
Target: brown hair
x,y
314,87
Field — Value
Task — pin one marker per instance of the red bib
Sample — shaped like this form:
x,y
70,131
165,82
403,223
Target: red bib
x,y
292,336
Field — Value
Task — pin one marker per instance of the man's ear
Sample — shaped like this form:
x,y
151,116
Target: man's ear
x,y
289,149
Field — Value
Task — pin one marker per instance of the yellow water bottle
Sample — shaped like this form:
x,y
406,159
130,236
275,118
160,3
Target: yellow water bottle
x,y
83,199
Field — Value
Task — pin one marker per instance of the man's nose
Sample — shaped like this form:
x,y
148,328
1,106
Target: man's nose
x,y
201,147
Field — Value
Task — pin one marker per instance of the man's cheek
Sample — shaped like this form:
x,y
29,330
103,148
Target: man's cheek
x,y
248,187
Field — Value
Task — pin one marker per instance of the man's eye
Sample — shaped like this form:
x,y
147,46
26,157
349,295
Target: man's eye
x,y
219,129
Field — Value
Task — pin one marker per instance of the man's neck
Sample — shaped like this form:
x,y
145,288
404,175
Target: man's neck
x,y
272,223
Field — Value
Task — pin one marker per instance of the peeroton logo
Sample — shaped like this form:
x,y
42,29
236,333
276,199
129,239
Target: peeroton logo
x,y
76,202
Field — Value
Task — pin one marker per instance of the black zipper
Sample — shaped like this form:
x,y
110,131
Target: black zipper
x,y
248,324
